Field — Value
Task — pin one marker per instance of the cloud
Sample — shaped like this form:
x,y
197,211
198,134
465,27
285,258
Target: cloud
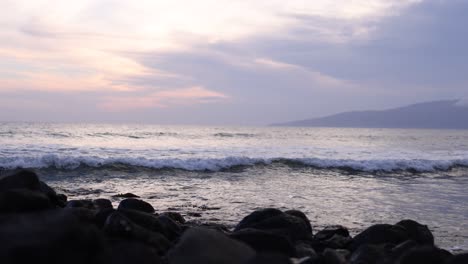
x,y
161,99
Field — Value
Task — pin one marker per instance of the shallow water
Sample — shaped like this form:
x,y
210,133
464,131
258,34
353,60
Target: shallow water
x,y
353,177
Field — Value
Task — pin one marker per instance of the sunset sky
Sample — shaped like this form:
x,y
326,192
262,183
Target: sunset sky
x,y
226,62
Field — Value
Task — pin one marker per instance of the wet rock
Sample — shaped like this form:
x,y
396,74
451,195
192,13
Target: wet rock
x,y
418,232
23,200
262,241
270,258
306,250
178,218
153,223
402,248
459,259
48,237
88,204
135,204
338,241
380,234
301,215
126,195
102,204
330,256
194,214
124,252
20,180
275,221
369,254
257,217
330,231
120,226
200,245
425,255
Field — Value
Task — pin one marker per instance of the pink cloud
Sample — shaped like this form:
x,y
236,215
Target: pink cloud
x,y
161,99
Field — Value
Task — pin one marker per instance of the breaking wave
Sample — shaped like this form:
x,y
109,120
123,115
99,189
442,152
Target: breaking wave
x,y
218,164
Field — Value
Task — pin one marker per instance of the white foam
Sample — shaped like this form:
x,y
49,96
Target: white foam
x,y
216,164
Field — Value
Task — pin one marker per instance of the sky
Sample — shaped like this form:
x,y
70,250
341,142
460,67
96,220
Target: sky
x,y
220,62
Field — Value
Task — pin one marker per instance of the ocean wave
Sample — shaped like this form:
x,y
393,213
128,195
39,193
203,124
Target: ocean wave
x,y
218,164
231,135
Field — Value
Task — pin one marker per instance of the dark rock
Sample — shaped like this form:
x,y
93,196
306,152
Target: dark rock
x,y
101,204
257,217
425,255
20,180
275,221
194,214
380,234
126,195
175,216
88,204
402,248
262,241
101,216
417,232
123,252
200,245
459,259
301,215
62,199
171,229
330,256
330,231
152,223
269,258
135,204
48,237
370,254
305,250
120,226
338,241
23,200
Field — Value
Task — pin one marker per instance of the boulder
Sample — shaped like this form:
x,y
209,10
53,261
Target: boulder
x,y
275,221
178,218
370,254
49,237
23,200
418,232
121,251
126,195
21,180
263,241
330,231
153,223
257,217
102,204
88,204
380,234
270,258
459,259
330,256
205,246
136,204
425,255
117,225
301,215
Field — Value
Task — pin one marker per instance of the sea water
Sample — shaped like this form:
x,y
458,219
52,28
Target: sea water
x,y
353,177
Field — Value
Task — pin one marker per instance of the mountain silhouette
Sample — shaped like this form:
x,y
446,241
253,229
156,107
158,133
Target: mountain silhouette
x,y
438,115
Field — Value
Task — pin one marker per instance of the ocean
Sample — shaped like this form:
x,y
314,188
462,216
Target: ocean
x,y
353,177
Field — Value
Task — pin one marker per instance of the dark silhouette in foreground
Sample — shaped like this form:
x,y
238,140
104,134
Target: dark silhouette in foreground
x,y
37,225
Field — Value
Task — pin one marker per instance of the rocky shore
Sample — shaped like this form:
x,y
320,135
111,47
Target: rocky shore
x,y
37,225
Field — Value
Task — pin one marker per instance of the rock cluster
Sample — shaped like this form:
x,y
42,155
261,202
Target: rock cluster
x,y
37,225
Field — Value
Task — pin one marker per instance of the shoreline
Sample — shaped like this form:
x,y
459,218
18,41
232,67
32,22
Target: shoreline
x,y
40,223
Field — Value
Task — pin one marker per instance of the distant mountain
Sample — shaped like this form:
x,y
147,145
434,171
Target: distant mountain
x,y
439,114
